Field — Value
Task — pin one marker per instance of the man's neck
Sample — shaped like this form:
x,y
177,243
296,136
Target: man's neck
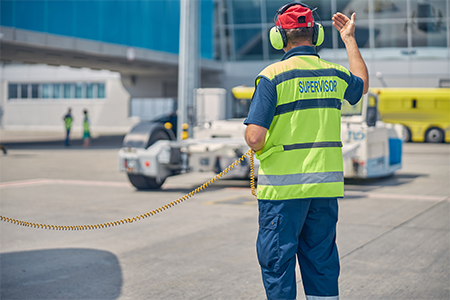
x,y
290,46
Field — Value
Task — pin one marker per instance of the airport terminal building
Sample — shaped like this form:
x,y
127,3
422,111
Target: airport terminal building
x,y
119,59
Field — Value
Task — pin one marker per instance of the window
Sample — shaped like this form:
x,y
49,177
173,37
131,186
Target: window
x,y
24,91
89,90
12,91
241,9
46,91
79,90
35,91
56,90
100,90
389,35
67,90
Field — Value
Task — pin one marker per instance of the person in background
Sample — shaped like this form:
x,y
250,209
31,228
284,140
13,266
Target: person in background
x,y
86,130
68,120
294,127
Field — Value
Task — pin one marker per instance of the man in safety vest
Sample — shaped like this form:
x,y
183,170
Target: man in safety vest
x,y
86,130
294,127
68,125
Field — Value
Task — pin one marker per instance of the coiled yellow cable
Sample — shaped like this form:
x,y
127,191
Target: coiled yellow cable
x,y
252,171
249,153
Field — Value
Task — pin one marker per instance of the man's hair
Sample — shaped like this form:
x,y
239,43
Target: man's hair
x,y
300,34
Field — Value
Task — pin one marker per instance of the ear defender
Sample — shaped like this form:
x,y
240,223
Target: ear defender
x,y
318,35
277,37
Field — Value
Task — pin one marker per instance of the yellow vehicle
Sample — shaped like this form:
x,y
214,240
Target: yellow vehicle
x,y
242,96
424,112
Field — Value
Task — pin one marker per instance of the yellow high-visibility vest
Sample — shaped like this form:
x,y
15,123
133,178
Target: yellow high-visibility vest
x,y
68,122
86,124
302,156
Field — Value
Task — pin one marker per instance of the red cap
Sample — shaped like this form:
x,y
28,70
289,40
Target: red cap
x,y
296,16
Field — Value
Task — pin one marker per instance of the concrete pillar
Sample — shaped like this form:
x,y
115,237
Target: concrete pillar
x,y
188,71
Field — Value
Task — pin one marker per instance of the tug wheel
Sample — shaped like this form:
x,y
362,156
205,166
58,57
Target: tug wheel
x,y
142,182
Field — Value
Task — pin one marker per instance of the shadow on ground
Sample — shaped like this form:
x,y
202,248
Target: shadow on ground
x,y
101,142
393,180
60,274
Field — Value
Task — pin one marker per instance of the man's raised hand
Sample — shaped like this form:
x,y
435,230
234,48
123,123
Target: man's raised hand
x,y
344,25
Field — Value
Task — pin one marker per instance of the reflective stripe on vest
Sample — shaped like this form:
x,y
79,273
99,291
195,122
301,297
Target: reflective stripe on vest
x,y
307,104
302,155
280,148
312,145
302,178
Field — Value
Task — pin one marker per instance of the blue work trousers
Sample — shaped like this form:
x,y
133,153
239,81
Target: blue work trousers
x,y
305,229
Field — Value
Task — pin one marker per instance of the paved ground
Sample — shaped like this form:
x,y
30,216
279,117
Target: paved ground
x,y
393,233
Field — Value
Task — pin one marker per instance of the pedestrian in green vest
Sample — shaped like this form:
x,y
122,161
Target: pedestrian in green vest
x,y
68,125
294,127
86,130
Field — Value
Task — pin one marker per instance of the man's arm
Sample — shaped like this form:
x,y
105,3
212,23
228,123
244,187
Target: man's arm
x,y
346,27
255,136
260,115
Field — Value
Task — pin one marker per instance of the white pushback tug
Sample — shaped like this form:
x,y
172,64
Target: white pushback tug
x,y
150,152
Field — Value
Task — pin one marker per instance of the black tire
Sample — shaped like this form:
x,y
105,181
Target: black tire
x,y
142,182
157,136
406,134
434,135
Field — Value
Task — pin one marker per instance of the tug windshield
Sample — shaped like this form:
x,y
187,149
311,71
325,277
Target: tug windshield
x,y
351,110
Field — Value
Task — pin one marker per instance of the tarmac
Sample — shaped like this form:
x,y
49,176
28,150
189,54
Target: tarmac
x,y
393,232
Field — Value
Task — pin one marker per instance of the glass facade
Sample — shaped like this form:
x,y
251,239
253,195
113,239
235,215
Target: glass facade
x,y
57,90
380,24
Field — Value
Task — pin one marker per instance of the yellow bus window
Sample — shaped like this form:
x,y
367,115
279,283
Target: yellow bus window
x,y
406,103
443,104
426,104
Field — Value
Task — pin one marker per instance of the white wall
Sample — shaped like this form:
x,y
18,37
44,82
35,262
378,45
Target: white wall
x,y
108,115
